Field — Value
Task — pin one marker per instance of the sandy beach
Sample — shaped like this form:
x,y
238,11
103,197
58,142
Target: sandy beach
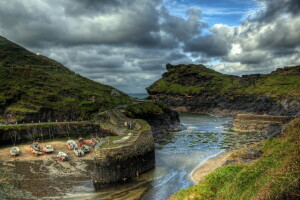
x,y
209,165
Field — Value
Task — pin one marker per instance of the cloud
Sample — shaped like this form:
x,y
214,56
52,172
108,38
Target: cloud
x,y
180,28
253,46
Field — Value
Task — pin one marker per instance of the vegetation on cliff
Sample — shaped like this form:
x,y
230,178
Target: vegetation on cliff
x,y
275,175
32,84
146,109
197,79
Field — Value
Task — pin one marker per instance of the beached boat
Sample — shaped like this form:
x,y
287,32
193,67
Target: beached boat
x,y
93,142
62,156
14,151
78,152
48,148
85,148
36,149
71,144
82,141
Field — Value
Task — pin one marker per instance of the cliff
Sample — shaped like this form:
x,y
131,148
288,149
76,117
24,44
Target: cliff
x,y
36,88
196,88
159,116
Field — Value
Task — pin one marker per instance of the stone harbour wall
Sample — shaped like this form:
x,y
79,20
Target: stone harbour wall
x,y
256,123
117,164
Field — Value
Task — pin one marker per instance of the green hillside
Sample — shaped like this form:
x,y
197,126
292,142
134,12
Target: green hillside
x,y
197,79
36,87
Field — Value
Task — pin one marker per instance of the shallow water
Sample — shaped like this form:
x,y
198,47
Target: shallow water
x,y
176,157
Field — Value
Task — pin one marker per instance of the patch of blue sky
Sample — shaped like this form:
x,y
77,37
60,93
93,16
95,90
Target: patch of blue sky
x,y
229,12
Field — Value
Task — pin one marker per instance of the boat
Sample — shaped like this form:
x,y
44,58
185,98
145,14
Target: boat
x,y
62,156
36,149
81,141
71,144
93,142
14,151
85,148
78,152
48,148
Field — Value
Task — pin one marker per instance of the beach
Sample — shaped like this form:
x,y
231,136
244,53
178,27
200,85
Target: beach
x,y
209,165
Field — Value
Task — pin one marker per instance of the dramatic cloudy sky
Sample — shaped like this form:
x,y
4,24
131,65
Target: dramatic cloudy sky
x,y
126,43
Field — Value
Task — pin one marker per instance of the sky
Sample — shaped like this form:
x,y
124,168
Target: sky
x,y
127,43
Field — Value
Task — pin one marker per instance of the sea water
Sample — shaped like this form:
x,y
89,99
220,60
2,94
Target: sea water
x,y
138,95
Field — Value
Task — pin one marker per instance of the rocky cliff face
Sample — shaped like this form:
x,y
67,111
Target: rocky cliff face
x,y
195,88
158,115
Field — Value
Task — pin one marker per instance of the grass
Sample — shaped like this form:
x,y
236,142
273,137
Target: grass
x,y
33,84
197,80
145,109
275,175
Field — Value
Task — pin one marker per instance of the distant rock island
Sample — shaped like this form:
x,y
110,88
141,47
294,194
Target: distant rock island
x,y
198,89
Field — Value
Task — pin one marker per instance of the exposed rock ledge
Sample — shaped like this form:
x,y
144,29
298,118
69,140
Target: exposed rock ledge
x,y
257,123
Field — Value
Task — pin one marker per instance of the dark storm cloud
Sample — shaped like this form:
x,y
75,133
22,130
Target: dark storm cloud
x,y
274,8
70,22
182,29
210,45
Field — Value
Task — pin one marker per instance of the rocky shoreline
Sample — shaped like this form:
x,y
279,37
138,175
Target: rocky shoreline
x,y
272,127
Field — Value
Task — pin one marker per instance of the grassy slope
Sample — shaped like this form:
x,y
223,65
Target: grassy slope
x,y
29,82
278,85
276,175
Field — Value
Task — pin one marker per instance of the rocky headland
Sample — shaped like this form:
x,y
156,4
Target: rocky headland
x,y
198,89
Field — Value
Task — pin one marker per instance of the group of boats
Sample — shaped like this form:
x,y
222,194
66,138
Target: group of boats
x,y
80,148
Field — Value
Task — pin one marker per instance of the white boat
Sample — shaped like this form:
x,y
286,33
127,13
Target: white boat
x,y
14,151
36,149
62,156
85,148
78,152
71,144
48,148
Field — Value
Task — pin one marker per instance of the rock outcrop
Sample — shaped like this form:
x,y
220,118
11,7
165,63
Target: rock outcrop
x,y
158,115
257,123
197,89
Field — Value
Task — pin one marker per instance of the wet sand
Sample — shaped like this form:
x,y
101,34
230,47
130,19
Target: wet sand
x,y
210,165
45,175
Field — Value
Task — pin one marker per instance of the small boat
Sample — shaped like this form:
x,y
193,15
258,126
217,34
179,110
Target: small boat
x,y
78,152
48,148
85,148
14,151
62,156
93,142
36,149
71,144
81,141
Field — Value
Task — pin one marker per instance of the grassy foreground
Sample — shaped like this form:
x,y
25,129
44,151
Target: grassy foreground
x,y
275,175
